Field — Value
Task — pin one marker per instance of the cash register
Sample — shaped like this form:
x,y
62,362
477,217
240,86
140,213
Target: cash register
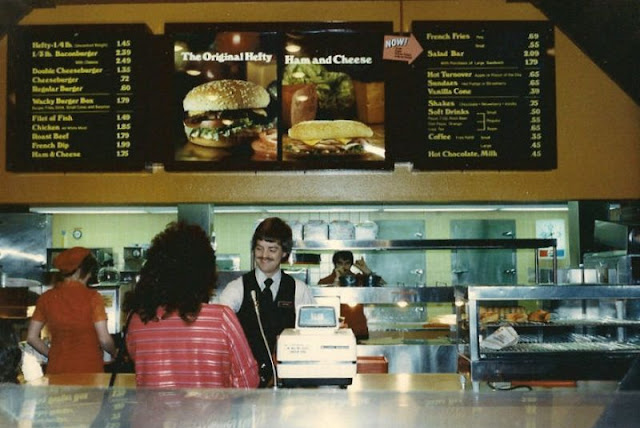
x,y
316,352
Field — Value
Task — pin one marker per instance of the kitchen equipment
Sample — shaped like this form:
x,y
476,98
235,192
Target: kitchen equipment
x,y
306,258
112,296
348,280
31,284
14,302
621,242
103,255
367,230
372,280
315,230
134,257
617,236
24,238
3,278
316,351
299,273
226,262
628,269
342,229
296,229
108,275
483,266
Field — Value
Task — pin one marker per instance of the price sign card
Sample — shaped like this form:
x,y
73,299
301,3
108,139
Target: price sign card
x,y
74,97
487,96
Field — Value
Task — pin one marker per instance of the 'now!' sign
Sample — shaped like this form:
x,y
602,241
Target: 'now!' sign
x,y
401,48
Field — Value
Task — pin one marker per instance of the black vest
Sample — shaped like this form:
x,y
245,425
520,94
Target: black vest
x,y
281,315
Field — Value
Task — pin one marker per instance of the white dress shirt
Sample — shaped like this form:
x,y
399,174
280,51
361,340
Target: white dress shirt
x,y
233,293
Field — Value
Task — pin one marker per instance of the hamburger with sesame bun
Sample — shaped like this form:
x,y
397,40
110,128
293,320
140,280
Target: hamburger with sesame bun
x,y
226,113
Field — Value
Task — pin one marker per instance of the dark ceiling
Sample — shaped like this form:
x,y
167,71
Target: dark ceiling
x,y
607,31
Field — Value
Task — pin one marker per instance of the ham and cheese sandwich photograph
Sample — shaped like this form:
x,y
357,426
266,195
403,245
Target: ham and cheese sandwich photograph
x,y
329,138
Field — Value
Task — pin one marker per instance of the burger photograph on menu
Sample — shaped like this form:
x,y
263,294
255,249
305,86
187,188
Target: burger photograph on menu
x,y
228,115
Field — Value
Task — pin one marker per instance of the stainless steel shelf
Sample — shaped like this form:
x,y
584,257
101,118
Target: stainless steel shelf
x,y
376,295
435,244
425,244
550,292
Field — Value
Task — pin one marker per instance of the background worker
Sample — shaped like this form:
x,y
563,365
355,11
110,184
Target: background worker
x,y
342,264
75,316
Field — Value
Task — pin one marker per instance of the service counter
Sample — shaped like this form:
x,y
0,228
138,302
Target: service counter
x,y
374,400
362,381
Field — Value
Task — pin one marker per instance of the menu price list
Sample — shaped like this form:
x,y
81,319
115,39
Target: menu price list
x,y
76,91
488,95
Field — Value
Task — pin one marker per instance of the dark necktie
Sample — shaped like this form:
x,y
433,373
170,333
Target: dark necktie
x,y
267,295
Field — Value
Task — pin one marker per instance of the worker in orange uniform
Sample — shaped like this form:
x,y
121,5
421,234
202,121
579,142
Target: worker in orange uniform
x,y
75,316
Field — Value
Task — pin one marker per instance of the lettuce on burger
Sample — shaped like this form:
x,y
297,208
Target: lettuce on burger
x,y
226,113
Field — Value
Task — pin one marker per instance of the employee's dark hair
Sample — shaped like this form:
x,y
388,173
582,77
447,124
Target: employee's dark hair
x,y
10,353
89,264
342,255
178,275
274,229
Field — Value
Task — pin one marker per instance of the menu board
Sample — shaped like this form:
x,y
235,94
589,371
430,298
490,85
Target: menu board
x,y
240,90
74,97
487,96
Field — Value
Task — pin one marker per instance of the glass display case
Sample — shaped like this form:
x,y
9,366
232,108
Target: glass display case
x,y
549,332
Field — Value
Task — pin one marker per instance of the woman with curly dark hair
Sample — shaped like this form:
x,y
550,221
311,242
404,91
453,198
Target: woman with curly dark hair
x,y
175,337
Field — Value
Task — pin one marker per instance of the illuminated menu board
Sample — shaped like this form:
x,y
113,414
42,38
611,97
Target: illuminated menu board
x,y
265,96
487,96
74,97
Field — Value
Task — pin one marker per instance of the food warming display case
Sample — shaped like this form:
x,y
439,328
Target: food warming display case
x,y
397,323
550,332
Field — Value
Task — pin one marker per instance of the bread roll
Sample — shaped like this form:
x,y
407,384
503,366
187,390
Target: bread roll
x,y
490,317
323,129
516,317
539,315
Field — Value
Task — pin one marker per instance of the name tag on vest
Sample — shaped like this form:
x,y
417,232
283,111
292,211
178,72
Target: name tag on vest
x,y
285,304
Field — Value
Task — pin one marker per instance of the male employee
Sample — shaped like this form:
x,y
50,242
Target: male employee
x,y
269,291
342,263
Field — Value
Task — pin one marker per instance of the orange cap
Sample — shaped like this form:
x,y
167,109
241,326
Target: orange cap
x,y
69,260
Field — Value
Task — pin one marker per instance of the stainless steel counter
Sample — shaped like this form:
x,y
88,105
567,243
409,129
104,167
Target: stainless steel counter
x,y
318,407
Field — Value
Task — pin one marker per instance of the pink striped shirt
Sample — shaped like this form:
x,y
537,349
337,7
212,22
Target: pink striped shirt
x,y
211,352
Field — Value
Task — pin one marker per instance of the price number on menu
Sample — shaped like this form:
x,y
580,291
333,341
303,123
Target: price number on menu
x,y
531,62
124,116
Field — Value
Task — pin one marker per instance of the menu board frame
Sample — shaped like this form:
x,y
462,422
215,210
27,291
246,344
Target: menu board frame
x,y
511,65
53,137
373,32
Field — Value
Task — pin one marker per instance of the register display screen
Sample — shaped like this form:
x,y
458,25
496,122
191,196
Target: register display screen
x,y
317,317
